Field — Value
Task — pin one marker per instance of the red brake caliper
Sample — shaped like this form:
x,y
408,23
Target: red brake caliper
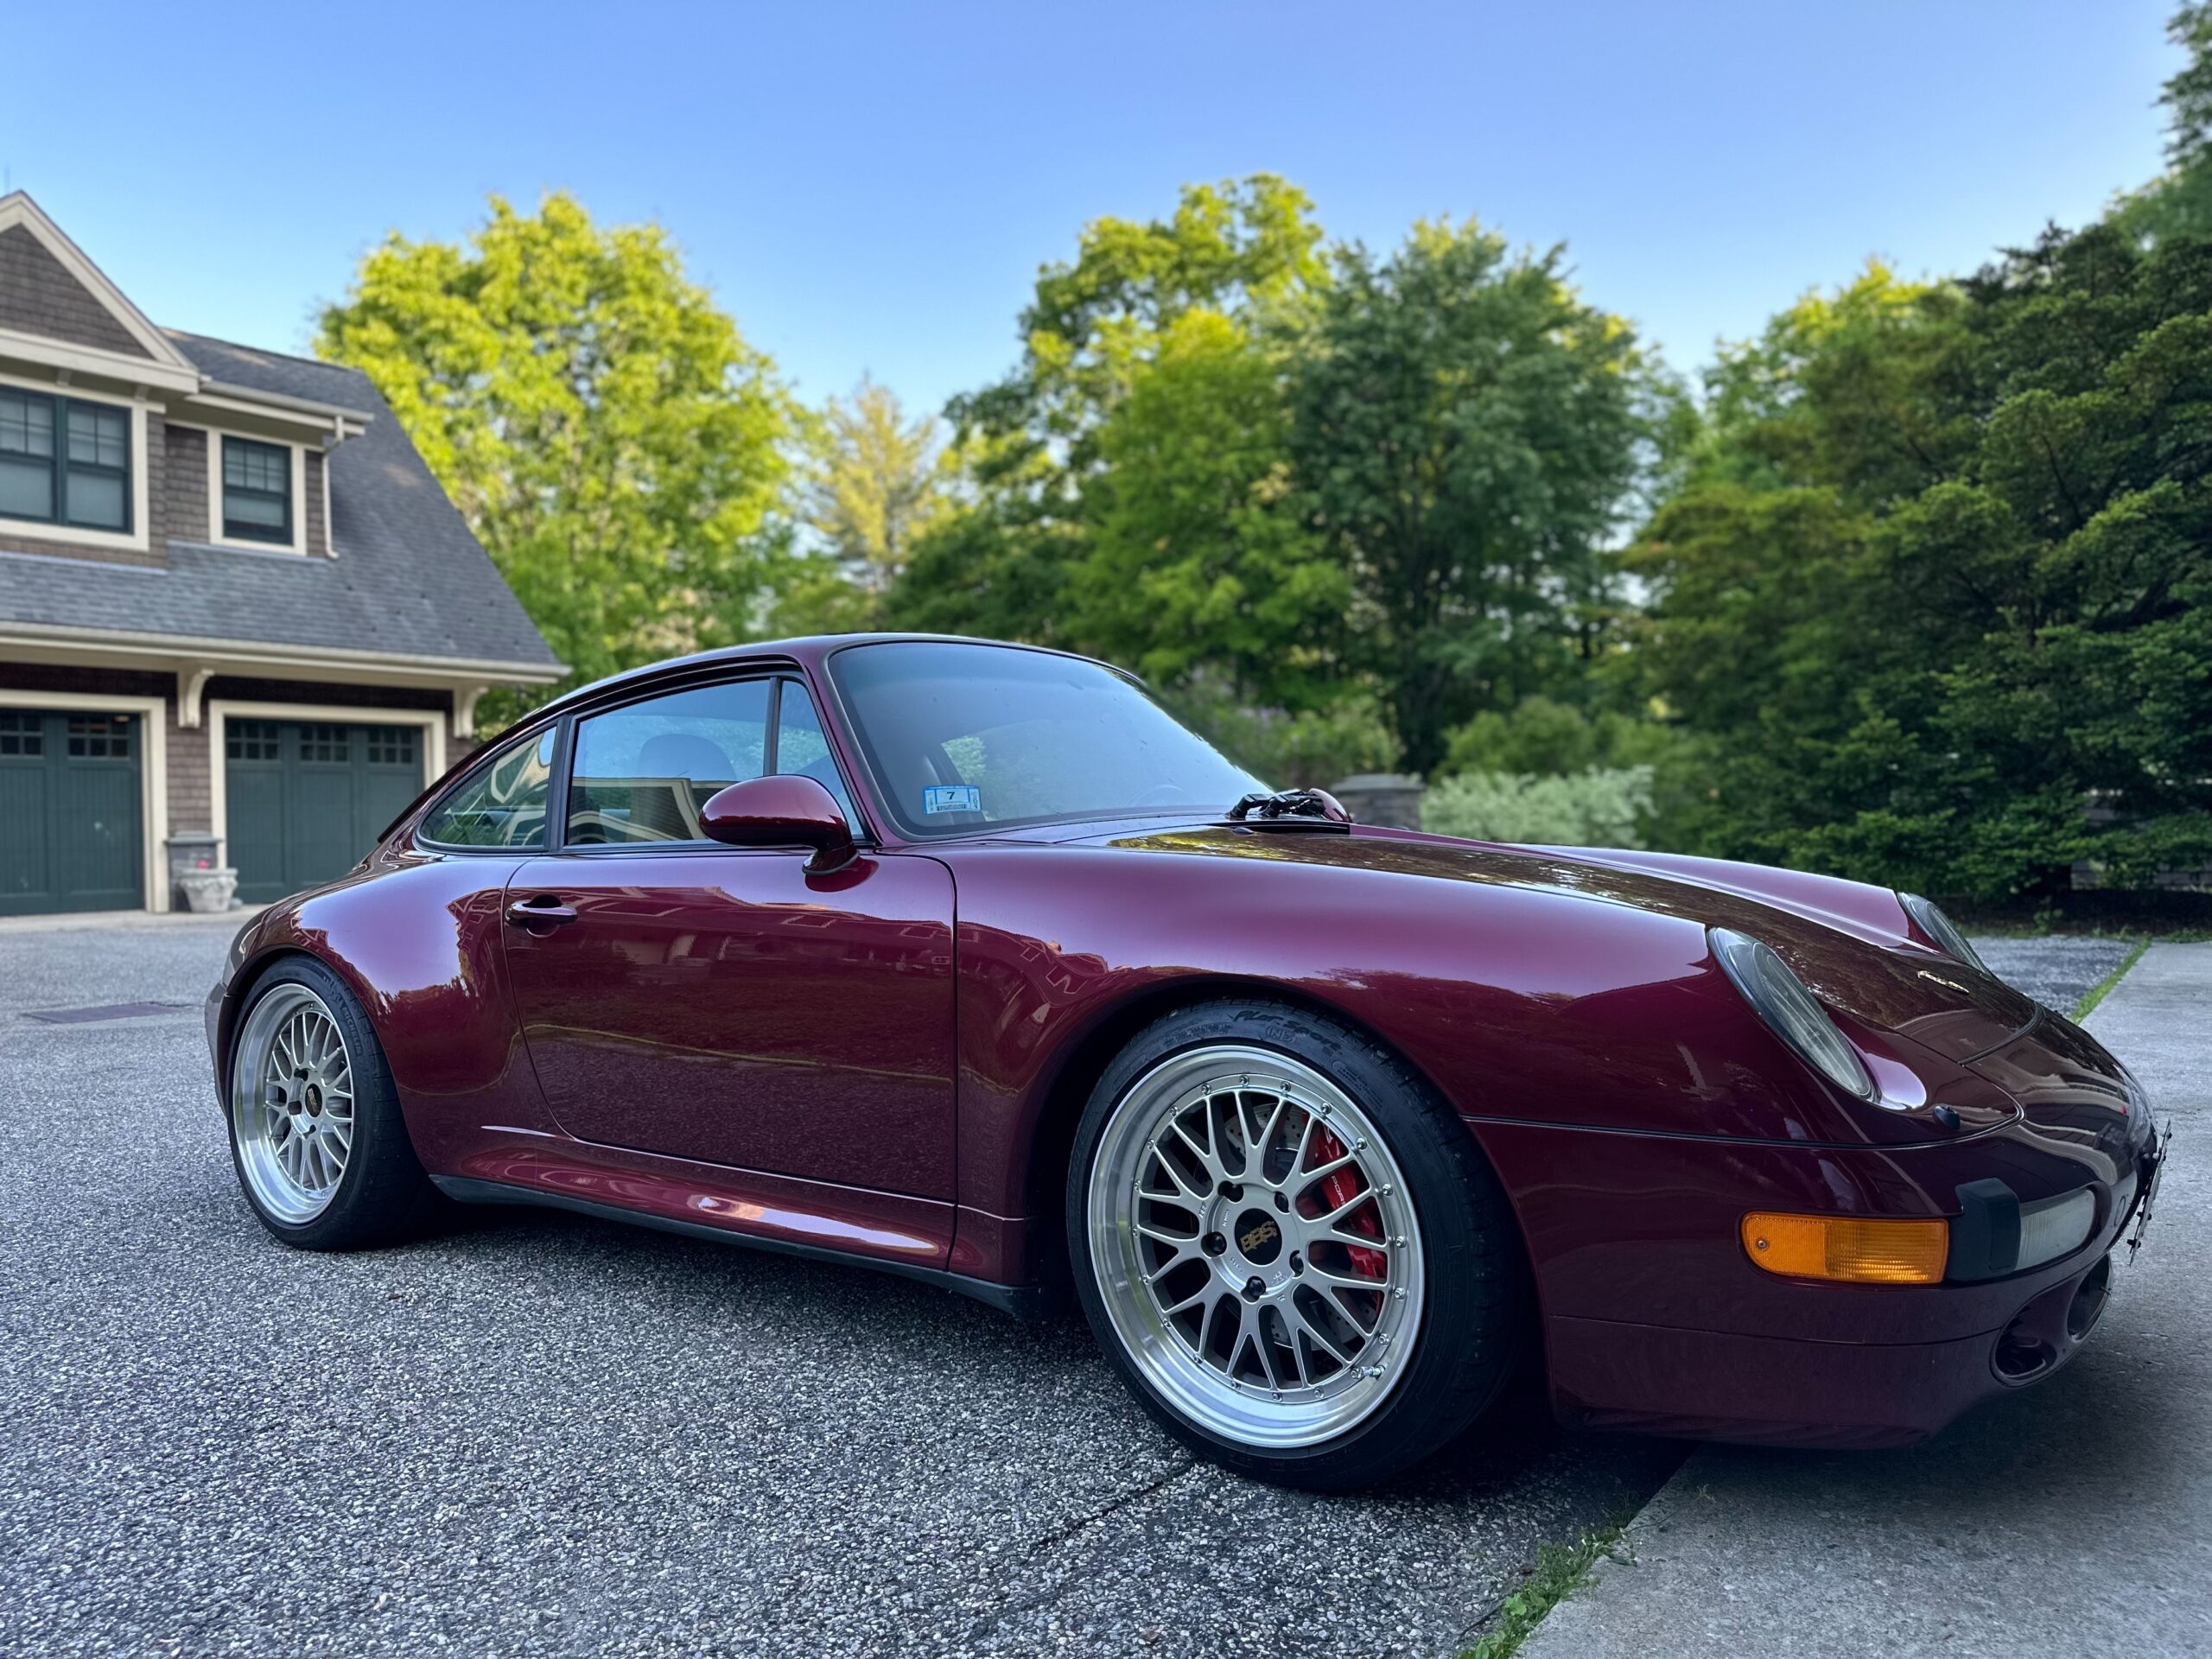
x,y
1339,1190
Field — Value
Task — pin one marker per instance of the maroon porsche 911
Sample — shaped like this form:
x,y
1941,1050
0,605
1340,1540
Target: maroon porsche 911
x,y
966,961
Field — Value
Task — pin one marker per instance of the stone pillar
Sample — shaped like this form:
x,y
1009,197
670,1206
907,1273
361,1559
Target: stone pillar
x,y
1391,798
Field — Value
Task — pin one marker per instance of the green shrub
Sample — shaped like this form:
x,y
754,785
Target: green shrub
x,y
1547,738
1600,806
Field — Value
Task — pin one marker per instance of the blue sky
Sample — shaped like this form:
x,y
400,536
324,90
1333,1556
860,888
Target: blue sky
x,y
874,187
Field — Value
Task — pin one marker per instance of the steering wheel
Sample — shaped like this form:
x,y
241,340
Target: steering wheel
x,y
1165,795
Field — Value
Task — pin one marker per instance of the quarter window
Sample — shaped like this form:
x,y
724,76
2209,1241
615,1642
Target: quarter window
x,y
643,771
64,461
500,805
256,491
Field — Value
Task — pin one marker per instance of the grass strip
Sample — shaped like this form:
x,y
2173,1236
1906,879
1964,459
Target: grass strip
x,y
2098,992
1560,1569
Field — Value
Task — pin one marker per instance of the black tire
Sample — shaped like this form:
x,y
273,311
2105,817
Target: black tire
x,y
383,1196
1472,1332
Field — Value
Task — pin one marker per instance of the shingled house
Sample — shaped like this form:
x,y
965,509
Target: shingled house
x,y
239,622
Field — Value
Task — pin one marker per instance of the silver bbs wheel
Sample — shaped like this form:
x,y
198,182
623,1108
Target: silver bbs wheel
x,y
1254,1246
292,1103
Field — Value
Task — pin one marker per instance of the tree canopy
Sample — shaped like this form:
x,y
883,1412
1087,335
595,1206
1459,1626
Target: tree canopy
x,y
1468,435
1196,286
611,439
1936,589
1314,473
872,481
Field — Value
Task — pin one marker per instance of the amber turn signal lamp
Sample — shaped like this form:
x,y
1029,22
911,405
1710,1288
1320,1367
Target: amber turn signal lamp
x,y
1847,1250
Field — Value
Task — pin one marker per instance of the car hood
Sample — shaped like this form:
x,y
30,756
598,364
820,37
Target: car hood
x,y
1850,943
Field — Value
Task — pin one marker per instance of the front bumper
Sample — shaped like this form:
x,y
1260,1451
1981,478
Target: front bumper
x,y
1654,1318
1717,1385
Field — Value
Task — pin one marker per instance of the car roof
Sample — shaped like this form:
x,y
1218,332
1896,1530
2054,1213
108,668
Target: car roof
x,y
806,650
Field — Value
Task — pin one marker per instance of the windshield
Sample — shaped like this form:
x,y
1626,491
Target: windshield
x,y
960,736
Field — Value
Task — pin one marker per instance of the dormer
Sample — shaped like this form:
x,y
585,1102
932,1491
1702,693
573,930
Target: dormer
x,y
114,442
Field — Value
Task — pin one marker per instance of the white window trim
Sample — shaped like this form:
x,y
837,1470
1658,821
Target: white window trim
x,y
221,710
153,770
215,537
140,539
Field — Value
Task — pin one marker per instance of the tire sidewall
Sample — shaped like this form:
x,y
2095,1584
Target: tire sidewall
x,y
374,1189
1462,1337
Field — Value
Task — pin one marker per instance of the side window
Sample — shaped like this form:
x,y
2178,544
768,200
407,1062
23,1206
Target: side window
x,y
502,805
643,771
801,747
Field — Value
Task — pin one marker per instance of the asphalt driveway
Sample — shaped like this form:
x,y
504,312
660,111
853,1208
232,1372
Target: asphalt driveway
x,y
541,1434
544,1433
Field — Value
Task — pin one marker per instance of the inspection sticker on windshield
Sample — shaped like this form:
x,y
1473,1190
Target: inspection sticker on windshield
x,y
952,798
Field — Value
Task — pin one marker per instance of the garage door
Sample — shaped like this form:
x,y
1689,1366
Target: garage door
x,y
304,799
70,833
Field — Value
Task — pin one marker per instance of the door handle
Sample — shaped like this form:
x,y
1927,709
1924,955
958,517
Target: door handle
x,y
529,913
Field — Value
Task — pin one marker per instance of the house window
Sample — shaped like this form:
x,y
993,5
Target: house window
x,y
64,461
256,491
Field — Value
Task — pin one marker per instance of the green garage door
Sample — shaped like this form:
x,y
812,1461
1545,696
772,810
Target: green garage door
x,y
70,833
304,799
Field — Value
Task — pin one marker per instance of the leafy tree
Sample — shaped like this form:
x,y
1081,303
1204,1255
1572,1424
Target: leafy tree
x,y
1938,590
1003,562
1198,553
606,432
1312,747
1467,434
875,482
1236,249
2179,203
997,563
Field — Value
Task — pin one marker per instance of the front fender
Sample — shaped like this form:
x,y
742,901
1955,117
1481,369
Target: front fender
x,y
1520,1002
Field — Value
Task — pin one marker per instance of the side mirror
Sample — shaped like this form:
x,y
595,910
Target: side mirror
x,y
784,810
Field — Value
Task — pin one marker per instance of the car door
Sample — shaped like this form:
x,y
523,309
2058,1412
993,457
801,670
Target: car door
x,y
722,1005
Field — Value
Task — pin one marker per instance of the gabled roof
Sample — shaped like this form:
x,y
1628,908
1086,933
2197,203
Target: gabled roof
x,y
19,212
407,580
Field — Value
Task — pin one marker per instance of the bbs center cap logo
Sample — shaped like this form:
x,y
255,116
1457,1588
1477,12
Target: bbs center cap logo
x,y
1258,1236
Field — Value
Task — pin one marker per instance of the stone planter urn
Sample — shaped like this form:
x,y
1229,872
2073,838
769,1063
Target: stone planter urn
x,y
208,891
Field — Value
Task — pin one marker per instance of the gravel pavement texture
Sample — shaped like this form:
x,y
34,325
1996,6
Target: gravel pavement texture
x,y
543,1434
2074,1517
2057,972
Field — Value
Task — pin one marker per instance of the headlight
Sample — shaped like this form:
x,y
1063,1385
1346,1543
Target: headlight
x,y
1780,998
1939,927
